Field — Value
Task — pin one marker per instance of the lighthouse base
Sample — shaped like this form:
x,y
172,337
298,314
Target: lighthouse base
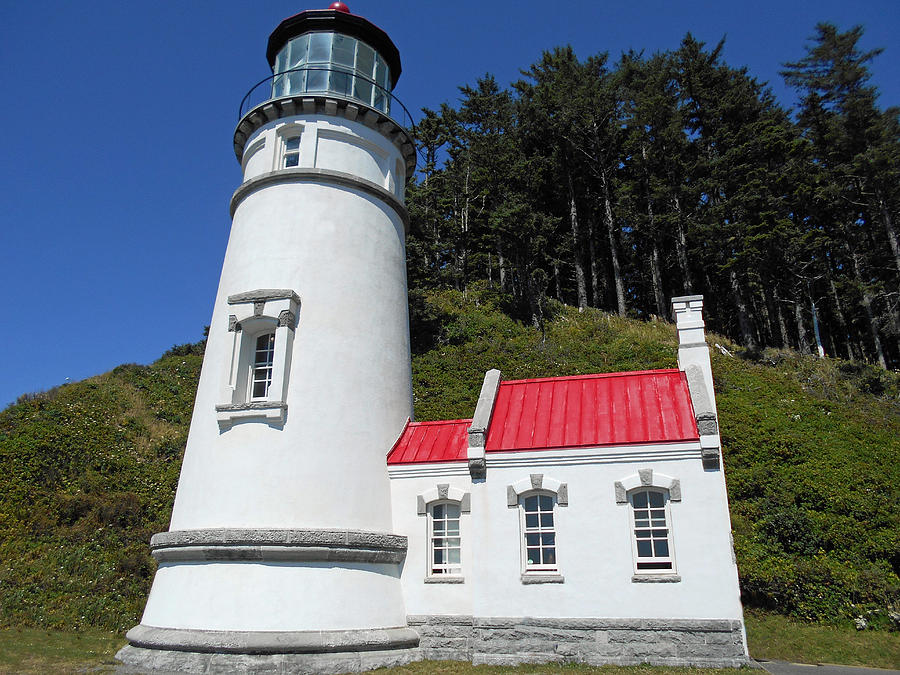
x,y
162,650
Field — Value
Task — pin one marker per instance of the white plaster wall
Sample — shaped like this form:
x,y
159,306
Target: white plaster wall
x,y
349,392
327,143
432,598
274,597
594,545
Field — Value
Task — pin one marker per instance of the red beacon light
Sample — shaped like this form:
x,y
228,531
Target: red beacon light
x,y
339,7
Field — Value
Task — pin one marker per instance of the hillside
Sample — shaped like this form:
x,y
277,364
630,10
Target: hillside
x,y
88,470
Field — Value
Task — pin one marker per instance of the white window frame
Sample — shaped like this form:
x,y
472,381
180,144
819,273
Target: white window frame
x,y
444,570
669,559
540,531
289,153
256,365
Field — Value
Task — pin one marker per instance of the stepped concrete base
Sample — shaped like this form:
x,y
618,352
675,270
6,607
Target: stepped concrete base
x,y
140,661
173,650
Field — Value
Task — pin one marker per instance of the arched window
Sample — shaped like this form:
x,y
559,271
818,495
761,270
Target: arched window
x,y
538,533
651,532
444,541
444,506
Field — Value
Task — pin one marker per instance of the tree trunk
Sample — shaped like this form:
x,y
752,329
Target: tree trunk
x,y
889,229
559,295
870,315
613,246
596,293
842,322
681,248
802,339
779,317
580,284
743,316
501,264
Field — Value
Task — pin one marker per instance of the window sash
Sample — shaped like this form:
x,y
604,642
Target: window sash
x,y
444,540
261,368
538,533
291,151
651,533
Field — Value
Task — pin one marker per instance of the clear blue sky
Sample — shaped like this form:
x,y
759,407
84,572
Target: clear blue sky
x,y
117,120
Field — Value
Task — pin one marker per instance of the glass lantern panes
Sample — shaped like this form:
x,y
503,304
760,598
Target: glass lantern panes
x,y
261,370
445,539
539,533
333,63
651,533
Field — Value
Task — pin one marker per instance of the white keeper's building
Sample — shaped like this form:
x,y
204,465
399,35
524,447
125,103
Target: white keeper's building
x,y
317,529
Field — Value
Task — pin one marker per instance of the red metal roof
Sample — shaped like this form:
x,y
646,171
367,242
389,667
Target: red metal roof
x,y
444,441
651,406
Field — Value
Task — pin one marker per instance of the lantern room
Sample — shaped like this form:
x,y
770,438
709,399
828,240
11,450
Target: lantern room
x,y
334,52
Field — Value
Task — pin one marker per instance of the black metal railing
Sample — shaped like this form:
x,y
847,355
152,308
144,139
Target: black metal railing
x,y
345,84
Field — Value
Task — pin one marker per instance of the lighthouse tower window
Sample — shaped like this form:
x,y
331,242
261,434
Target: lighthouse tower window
x,y
292,151
261,370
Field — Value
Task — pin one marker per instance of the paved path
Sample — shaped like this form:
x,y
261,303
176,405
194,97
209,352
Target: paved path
x,y
785,668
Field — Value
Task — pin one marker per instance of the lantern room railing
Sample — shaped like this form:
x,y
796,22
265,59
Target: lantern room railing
x,y
328,81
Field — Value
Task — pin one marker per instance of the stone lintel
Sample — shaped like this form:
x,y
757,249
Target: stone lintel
x,y
263,295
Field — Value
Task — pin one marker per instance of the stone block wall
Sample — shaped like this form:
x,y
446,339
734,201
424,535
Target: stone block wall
x,y
510,641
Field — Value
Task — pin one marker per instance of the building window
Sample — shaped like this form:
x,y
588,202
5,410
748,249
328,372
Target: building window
x,y
652,541
444,540
261,368
291,151
538,533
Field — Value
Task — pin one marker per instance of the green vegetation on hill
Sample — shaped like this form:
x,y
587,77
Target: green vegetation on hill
x,y
812,455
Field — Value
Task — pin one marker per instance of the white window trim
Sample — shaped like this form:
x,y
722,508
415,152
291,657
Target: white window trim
x,y
648,479
429,570
537,569
670,537
283,133
254,365
537,482
445,494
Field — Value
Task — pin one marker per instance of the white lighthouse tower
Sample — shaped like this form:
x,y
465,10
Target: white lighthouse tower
x,y
281,552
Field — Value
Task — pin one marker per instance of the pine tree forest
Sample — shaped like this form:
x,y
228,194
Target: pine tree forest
x,y
619,184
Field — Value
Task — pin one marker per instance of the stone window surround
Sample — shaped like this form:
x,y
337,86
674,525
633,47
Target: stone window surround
x,y
442,492
648,478
536,483
258,311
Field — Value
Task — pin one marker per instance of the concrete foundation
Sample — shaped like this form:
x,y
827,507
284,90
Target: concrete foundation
x,y
712,643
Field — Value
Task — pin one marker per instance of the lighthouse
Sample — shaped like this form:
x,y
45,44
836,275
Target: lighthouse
x,y
281,551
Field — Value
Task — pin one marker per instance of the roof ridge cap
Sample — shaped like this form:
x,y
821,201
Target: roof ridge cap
x,y
590,376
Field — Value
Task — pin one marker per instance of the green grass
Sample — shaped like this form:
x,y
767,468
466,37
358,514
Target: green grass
x,y
32,650
776,638
771,637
